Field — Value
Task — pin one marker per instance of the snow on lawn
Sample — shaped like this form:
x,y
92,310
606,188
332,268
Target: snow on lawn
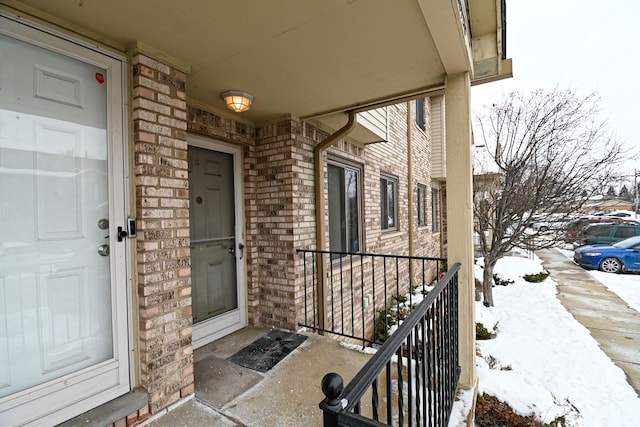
x,y
626,286
543,361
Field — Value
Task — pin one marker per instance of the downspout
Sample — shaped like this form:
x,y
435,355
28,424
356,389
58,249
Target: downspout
x,y
410,175
321,235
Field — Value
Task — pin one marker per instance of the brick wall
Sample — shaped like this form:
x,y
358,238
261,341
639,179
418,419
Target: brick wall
x,y
162,209
285,217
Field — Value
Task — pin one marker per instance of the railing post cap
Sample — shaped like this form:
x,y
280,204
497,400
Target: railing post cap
x,y
332,387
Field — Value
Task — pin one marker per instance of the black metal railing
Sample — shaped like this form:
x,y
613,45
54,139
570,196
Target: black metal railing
x,y
362,295
416,370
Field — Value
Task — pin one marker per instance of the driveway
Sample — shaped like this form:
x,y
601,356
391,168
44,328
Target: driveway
x,y
612,323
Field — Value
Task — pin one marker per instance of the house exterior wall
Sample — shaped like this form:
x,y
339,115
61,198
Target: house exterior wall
x,y
391,159
279,205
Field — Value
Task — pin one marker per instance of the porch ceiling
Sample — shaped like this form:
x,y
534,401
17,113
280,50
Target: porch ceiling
x,y
299,58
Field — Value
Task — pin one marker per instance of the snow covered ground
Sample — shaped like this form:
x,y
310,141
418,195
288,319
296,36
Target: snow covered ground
x,y
544,362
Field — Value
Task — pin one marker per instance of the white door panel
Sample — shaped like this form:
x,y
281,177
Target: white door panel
x,y
63,309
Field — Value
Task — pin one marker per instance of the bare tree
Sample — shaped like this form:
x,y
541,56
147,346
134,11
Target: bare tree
x,y
544,156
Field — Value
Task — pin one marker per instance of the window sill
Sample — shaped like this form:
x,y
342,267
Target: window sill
x,y
347,262
389,234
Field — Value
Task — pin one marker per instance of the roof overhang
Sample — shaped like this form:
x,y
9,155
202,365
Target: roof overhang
x,y
306,59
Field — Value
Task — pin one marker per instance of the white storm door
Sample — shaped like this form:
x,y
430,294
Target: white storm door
x,y
217,274
63,315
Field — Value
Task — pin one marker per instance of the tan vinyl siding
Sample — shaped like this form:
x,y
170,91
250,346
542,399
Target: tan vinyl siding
x,y
438,151
376,121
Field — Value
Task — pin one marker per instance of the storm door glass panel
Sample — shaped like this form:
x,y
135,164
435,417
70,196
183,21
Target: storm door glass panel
x,y
55,288
213,240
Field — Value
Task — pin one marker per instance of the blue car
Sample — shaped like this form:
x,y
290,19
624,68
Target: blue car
x,y
621,256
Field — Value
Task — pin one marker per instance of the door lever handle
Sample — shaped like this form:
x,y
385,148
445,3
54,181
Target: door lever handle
x,y
241,247
121,234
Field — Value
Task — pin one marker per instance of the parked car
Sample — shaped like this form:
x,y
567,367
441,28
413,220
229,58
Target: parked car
x,y
621,214
574,229
552,222
607,233
621,256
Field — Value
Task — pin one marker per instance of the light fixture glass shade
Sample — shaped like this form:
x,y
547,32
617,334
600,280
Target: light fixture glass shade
x,y
237,100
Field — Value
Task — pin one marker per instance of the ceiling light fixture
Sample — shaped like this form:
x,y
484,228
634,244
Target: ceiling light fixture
x,y
237,100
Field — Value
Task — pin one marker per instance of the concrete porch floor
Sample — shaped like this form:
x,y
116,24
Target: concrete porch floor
x,y
287,395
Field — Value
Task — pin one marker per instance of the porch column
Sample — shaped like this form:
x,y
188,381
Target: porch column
x,y
460,213
162,245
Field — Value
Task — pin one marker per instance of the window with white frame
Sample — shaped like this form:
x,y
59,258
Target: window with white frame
x,y
420,204
388,202
344,206
435,210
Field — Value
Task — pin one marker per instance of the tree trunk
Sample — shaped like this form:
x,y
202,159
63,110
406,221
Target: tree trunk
x,y
487,283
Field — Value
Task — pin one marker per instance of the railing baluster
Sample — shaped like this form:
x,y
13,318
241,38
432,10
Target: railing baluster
x,y
304,272
423,357
352,296
425,344
373,292
386,297
400,383
424,281
417,360
431,373
397,288
411,283
314,290
389,394
374,399
341,298
409,379
362,308
439,352
331,289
